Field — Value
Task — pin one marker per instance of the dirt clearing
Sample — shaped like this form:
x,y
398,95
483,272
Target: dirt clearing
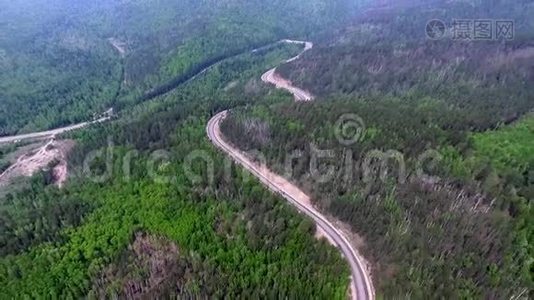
x,y
51,154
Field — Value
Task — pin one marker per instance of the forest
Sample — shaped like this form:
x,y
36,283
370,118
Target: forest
x,y
438,184
440,181
412,225
137,237
56,70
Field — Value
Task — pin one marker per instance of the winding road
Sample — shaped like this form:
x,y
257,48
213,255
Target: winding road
x,y
281,83
361,283
270,76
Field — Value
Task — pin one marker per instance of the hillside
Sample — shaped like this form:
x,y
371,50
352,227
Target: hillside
x,y
421,146
417,150
62,56
130,222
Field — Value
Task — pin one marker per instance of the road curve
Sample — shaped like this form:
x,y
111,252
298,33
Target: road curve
x,y
281,83
271,78
361,283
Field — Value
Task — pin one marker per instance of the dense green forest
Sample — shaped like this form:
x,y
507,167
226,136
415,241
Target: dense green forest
x,y
439,184
461,229
441,181
58,65
131,235
488,81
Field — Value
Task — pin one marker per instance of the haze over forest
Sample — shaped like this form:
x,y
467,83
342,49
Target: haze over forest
x,y
299,149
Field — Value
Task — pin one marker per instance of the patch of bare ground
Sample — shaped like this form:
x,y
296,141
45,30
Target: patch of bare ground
x,y
231,85
119,46
52,154
21,150
150,268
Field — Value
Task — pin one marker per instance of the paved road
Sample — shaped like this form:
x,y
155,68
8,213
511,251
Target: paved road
x,y
361,284
269,78
49,133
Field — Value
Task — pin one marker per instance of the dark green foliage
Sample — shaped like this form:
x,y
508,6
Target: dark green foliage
x,y
28,218
235,238
487,82
58,66
458,230
427,235
232,237
463,231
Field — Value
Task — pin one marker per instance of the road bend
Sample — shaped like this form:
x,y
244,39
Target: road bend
x,y
361,284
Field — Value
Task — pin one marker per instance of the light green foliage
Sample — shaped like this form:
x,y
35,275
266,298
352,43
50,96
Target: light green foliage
x,y
508,147
237,239
191,219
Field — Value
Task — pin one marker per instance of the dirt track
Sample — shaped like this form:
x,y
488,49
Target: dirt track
x,y
31,162
273,78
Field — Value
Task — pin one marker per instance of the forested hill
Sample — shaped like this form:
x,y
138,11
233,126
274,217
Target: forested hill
x,y
203,233
58,65
437,175
434,172
387,52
